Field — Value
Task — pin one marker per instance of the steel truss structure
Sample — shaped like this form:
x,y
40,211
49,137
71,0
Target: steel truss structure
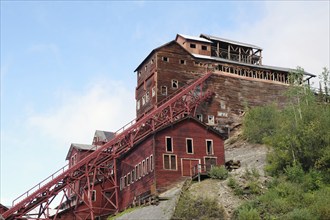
x,y
99,167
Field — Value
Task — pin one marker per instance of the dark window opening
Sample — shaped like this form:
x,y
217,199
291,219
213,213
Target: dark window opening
x,y
165,59
209,147
175,84
192,45
182,62
204,47
169,147
189,143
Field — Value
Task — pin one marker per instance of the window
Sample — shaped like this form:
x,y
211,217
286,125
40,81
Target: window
x,y
139,74
183,62
147,165
164,90
125,181
147,97
143,168
165,59
152,61
73,159
192,45
128,179
200,117
151,163
189,145
175,84
133,175
138,105
169,144
153,91
169,162
93,196
121,185
145,68
204,47
136,173
209,147
210,119
140,170
222,105
143,100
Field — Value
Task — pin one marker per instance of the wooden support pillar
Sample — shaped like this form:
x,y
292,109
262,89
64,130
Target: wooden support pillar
x,y
239,55
228,52
218,49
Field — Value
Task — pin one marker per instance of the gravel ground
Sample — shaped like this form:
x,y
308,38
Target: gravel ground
x,y
164,210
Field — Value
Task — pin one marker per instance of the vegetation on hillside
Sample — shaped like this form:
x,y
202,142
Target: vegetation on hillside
x,y
299,160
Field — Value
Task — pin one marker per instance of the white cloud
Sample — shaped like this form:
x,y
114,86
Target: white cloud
x,y
291,34
105,105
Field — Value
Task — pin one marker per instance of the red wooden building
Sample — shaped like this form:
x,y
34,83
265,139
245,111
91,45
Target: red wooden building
x,y
188,91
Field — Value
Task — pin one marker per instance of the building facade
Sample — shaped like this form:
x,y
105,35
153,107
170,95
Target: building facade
x,y
239,78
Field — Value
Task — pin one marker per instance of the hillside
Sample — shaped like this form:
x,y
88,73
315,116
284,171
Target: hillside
x,y
252,156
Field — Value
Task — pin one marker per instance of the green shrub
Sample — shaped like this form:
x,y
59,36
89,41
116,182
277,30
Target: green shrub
x,y
299,214
218,172
247,213
295,173
260,122
254,187
255,173
232,182
190,207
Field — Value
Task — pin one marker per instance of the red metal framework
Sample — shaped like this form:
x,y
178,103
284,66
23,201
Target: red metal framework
x,y
99,167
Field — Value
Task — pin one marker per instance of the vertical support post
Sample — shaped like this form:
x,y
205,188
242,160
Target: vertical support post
x,y
228,52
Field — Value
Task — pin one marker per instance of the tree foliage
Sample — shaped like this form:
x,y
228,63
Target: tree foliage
x,y
298,134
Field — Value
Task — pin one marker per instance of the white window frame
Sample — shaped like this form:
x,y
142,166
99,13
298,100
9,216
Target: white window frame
x,y
143,100
166,137
210,119
147,165
182,62
166,59
200,117
212,145
151,162
138,105
176,162
175,82
143,167
192,145
136,172
161,89
153,91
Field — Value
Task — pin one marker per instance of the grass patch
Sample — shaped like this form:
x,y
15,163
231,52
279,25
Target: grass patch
x,y
190,207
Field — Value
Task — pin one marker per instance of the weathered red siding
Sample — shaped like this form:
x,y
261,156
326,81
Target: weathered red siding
x,y
127,164
179,132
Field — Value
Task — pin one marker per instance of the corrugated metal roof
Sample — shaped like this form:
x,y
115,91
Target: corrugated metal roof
x,y
284,69
230,41
104,135
194,38
80,147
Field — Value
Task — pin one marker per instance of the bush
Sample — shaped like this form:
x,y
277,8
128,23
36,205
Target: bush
x,y
254,187
218,172
190,207
299,214
295,173
247,213
260,122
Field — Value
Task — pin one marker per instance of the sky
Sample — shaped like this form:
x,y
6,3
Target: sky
x,y
67,67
